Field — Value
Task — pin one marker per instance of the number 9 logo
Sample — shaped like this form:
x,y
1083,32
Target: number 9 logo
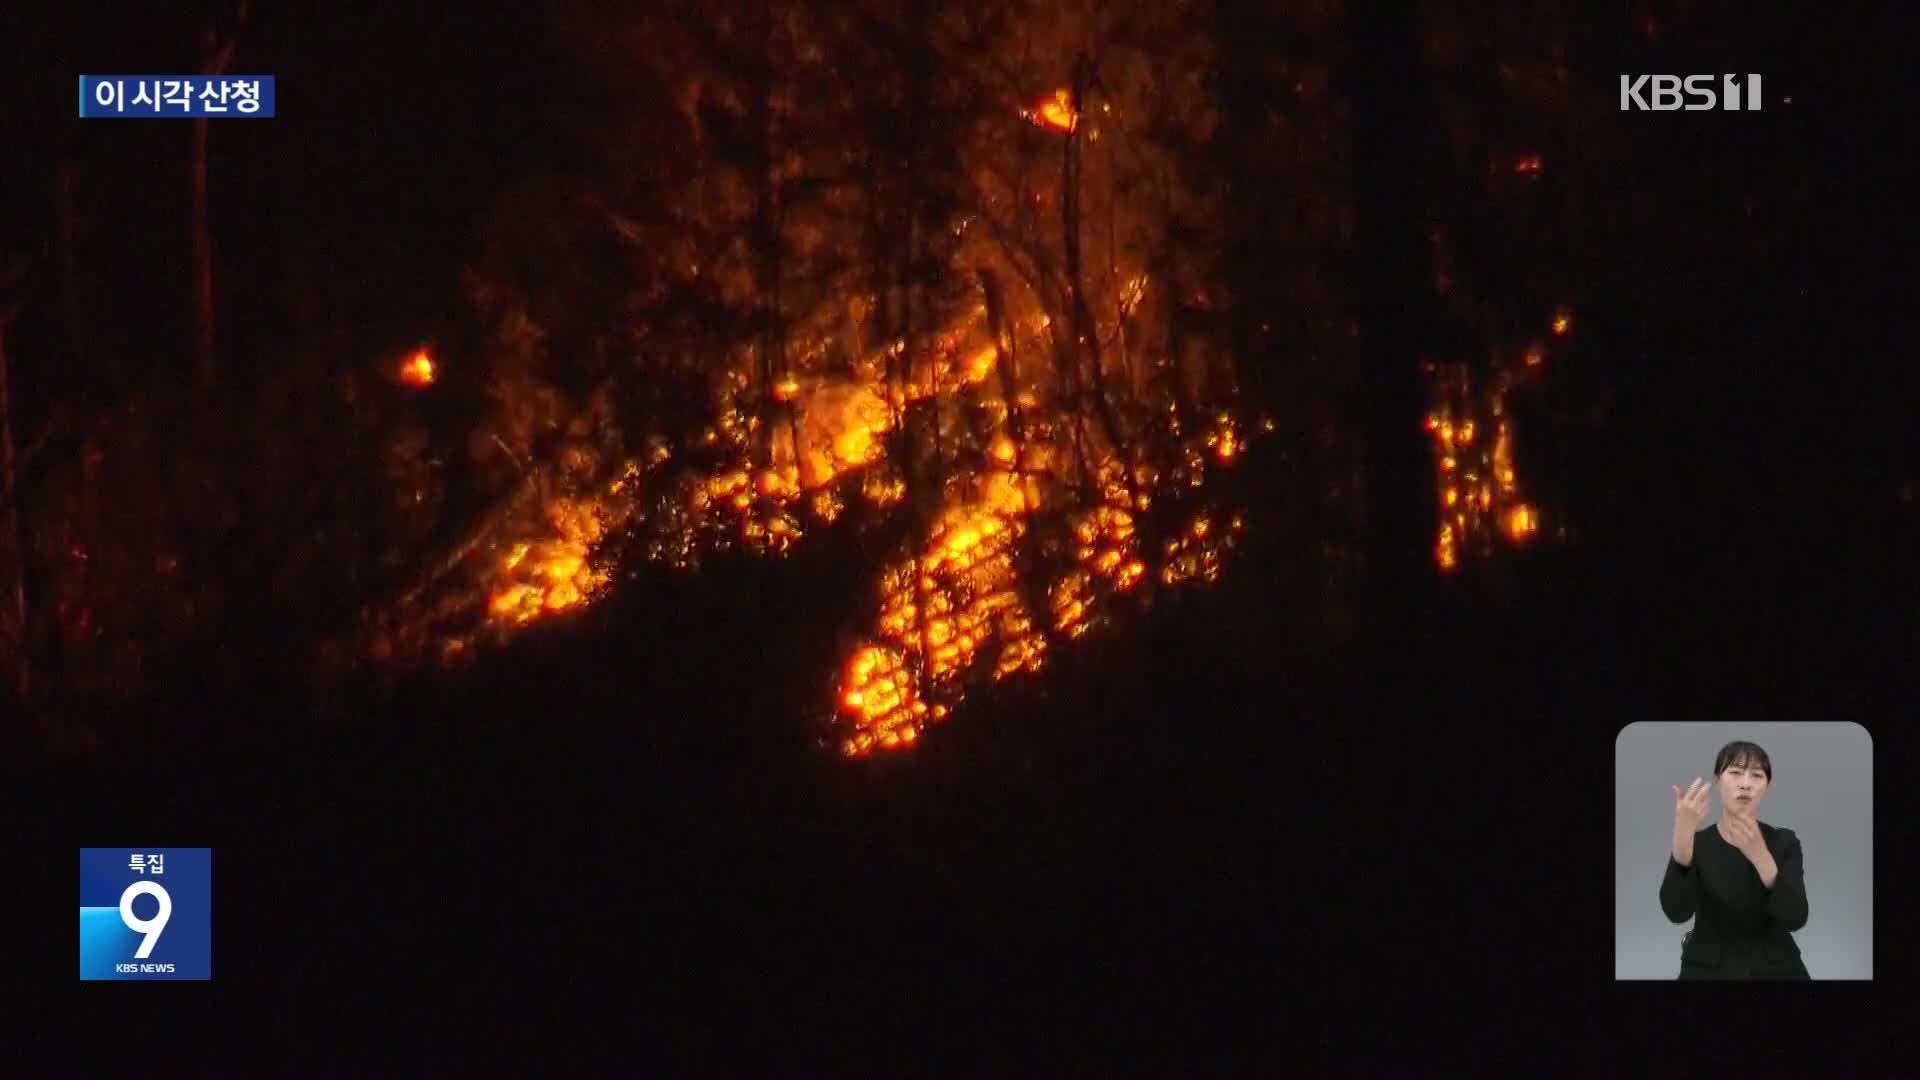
x,y
150,927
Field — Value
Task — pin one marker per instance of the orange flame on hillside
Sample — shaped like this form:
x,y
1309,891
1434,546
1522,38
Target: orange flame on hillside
x,y
1054,114
417,370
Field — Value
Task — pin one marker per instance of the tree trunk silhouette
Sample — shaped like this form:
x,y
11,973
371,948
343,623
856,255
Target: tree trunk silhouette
x,y
1085,334
81,656
876,329
202,263
1005,364
925,470
1115,285
1030,582
71,302
13,548
205,359
1393,292
772,339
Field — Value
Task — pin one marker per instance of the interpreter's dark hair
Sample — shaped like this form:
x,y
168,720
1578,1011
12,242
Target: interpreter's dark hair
x,y
1745,755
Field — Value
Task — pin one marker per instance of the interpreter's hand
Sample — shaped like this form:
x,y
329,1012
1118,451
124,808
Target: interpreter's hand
x,y
1744,832
1690,806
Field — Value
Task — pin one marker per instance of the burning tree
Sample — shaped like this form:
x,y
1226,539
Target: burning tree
x,y
968,288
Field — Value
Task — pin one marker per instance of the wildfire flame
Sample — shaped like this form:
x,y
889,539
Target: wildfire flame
x,y
1480,497
979,596
959,606
1054,114
939,610
417,370
1522,522
552,574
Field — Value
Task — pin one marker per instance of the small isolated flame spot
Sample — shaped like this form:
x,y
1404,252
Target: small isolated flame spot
x,y
1522,522
1056,114
417,370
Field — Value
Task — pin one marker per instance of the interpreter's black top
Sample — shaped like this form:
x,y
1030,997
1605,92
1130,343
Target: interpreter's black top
x,y
1741,928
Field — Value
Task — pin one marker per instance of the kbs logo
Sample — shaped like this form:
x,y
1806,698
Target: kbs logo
x,y
1663,93
146,913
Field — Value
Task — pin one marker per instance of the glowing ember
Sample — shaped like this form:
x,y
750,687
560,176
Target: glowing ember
x,y
938,612
1522,522
1226,439
417,370
1055,114
980,364
979,597
1479,496
1445,553
1002,449
1562,322
553,574
1194,555
960,607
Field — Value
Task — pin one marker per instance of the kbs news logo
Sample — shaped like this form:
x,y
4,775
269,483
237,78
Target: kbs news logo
x,y
1662,93
146,913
